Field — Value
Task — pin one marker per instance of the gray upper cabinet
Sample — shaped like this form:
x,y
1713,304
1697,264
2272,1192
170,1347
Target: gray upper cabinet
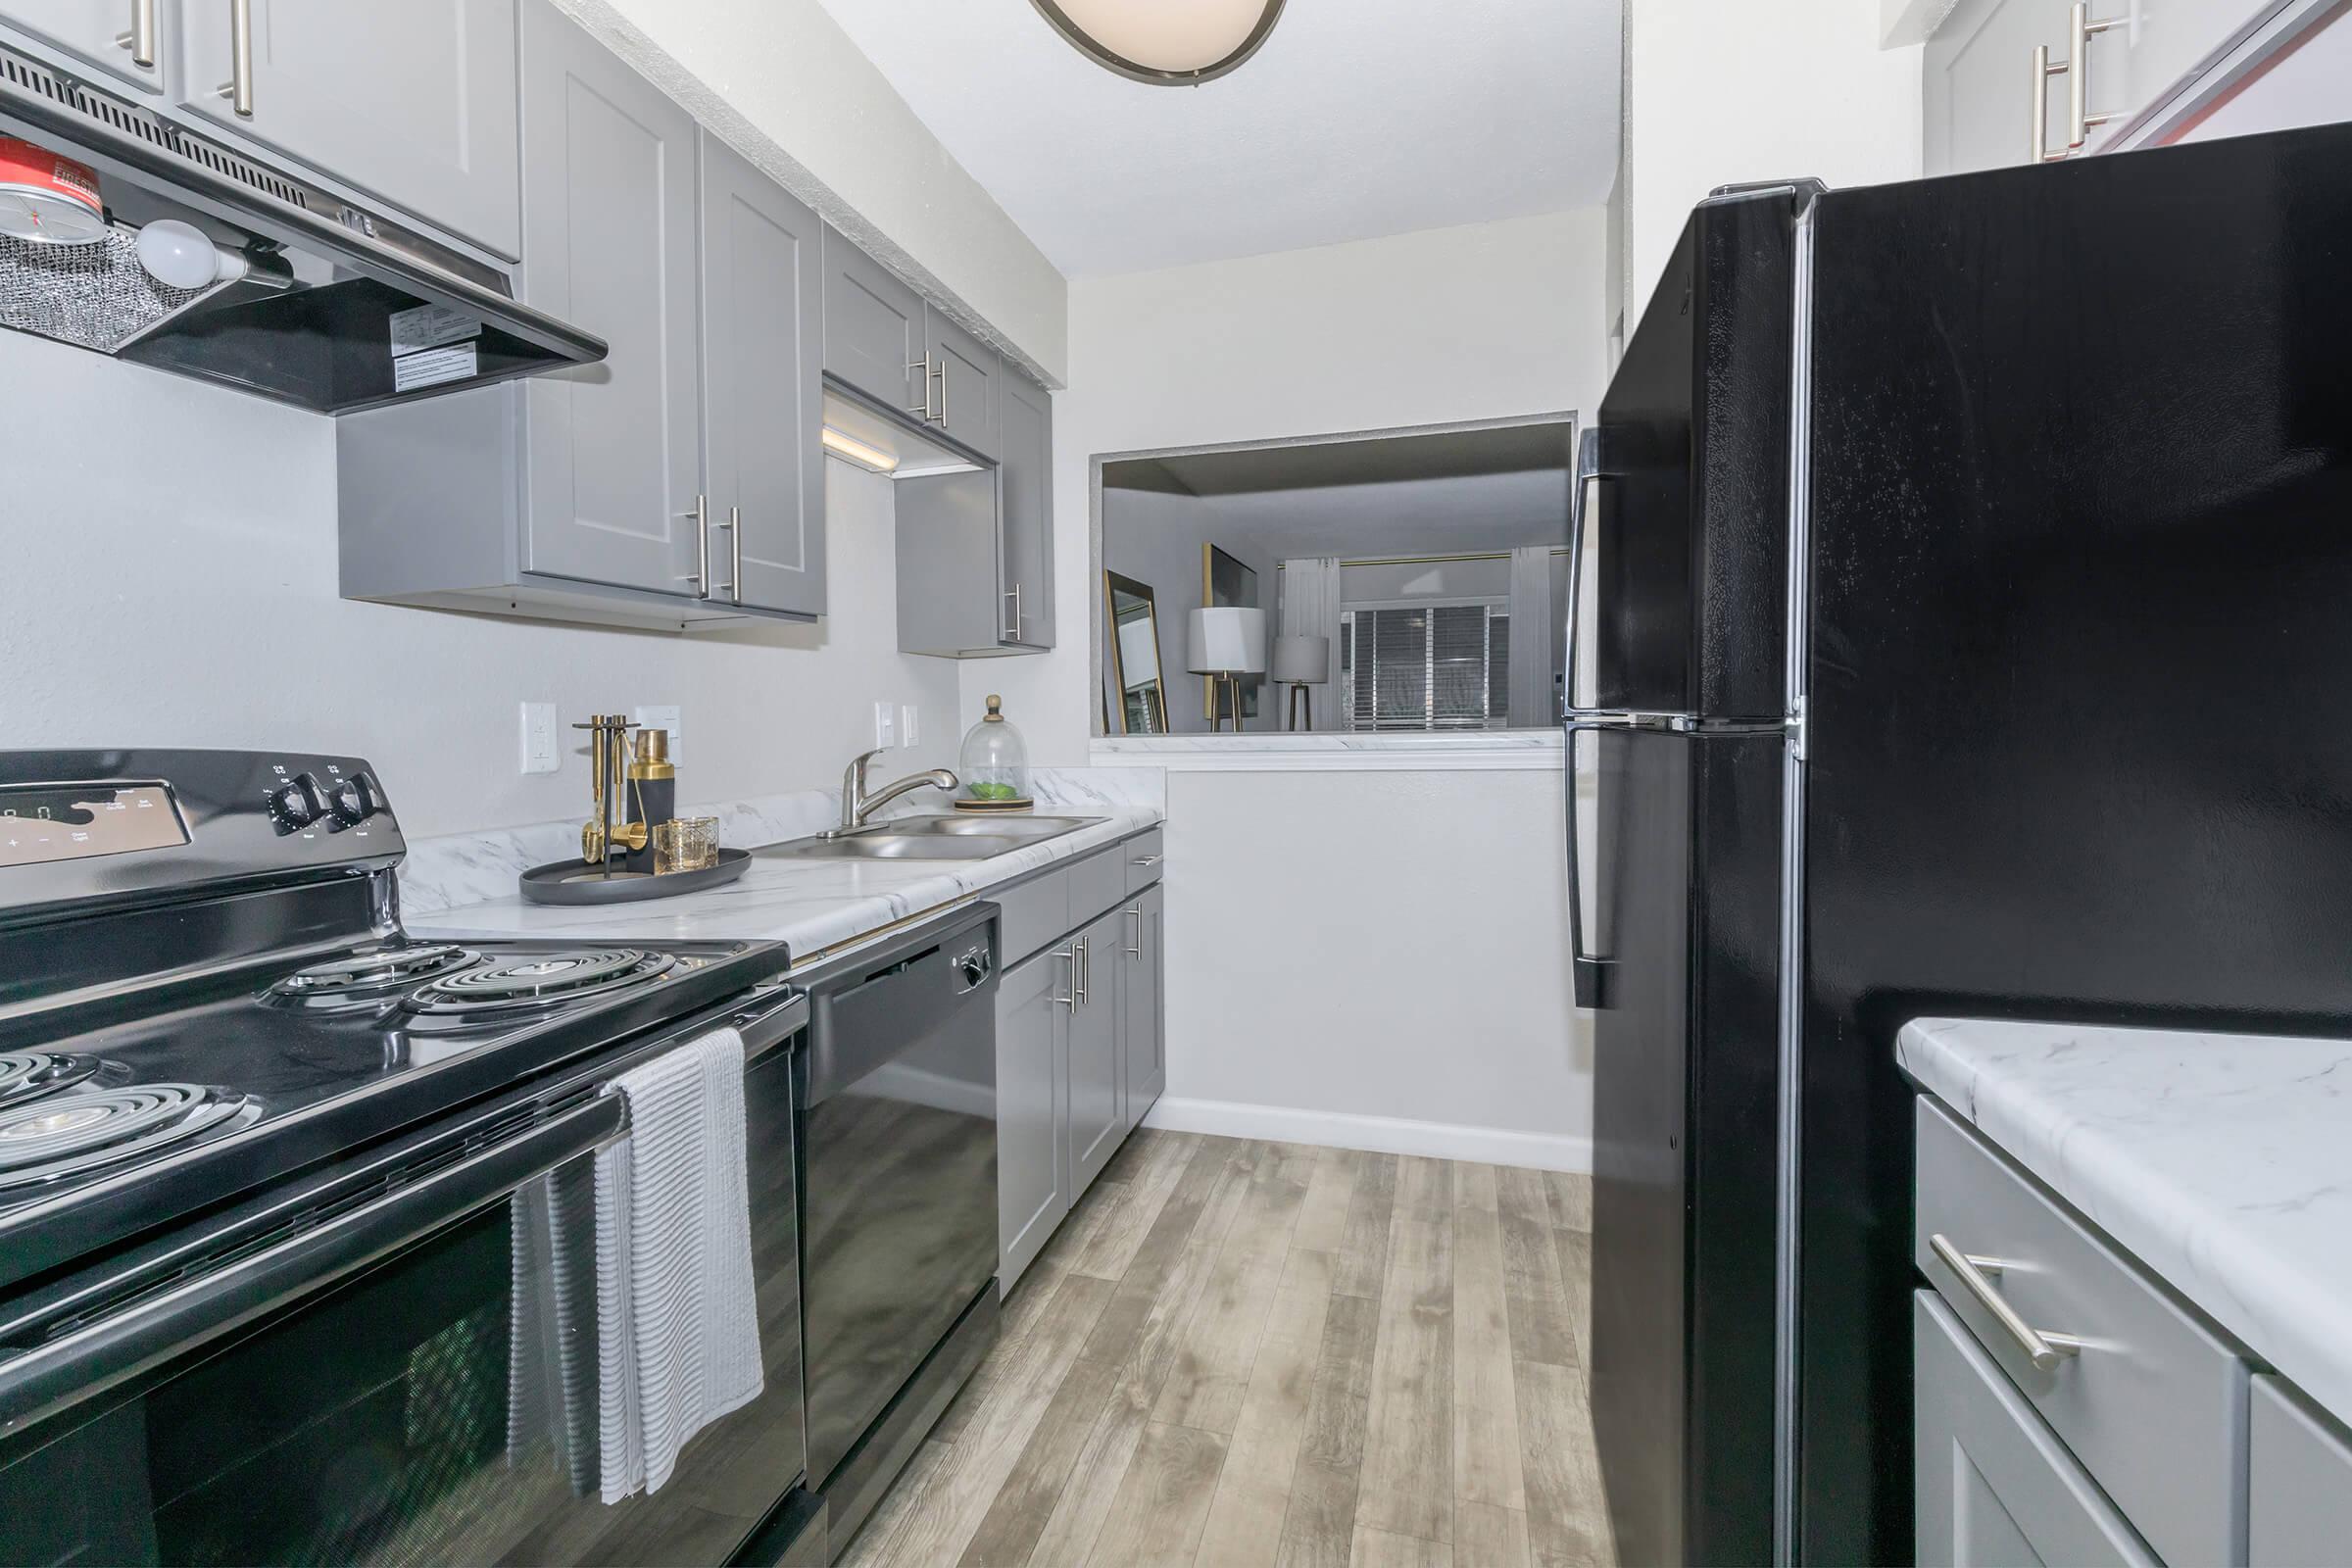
x,y
1025,445
413,103
126,39
761,388
1978,86
1098,1107
615,449
874,329
1143,1034
963,383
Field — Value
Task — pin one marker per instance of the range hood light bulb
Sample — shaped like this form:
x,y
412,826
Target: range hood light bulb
x,y
180,255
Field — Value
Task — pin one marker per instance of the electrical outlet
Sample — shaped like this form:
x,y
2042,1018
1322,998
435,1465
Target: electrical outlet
x,y
539,752
885,724
907,735
671,718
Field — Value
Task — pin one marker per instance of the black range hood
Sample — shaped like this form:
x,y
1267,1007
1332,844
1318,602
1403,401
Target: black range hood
x,y
313,320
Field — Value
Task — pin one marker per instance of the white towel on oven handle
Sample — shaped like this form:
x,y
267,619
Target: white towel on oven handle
x,y
676,1315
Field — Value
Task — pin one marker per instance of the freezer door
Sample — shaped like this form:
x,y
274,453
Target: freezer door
x,y
1691,513
2082,683
1687,886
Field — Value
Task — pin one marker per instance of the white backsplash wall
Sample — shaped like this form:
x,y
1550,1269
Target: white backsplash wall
x,y
170,580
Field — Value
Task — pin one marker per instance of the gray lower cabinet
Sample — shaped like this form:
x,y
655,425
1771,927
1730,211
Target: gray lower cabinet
x,y
1033,1175
1994,1486
413,103
2300,1468
1079,1041
1098,1102
128,40
874,329
763,387
1143,1072
975,551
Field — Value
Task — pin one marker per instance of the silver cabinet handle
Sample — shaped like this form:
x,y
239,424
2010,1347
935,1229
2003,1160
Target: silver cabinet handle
x,y
1085,969
702,533
1012,633
239,91
140,39
1146,860
2044,1350
2076,68
734,527
1070,1001
923,410
943,391
1136,910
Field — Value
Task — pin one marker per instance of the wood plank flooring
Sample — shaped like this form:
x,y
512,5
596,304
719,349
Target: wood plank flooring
x,y
1267,1355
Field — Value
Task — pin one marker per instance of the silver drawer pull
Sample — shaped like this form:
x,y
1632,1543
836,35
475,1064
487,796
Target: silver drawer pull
x,y
2044,1350
1148,860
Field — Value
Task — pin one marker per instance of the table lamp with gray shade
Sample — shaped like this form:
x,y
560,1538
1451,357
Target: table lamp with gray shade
x,y
1228,642
1300,662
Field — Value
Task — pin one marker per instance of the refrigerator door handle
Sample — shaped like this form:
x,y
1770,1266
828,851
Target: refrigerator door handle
x,y
1590,970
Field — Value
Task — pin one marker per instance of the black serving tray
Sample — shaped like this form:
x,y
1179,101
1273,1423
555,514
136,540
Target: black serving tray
x,y
563,881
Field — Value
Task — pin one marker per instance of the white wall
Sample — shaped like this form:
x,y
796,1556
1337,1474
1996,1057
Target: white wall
x,y
1450,1029
1482,321
171,581
1377,960
1720,93
824,122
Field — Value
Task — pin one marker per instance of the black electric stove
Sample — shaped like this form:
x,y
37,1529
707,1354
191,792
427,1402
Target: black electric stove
x,y
204,989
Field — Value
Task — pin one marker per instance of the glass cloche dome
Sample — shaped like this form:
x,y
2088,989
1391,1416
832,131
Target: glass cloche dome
x,y
994,770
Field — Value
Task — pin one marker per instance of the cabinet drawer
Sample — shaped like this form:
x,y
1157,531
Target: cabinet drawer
x,y
1992,1484
1031,915
1143,854
2153,1402
2299,1510
1097,883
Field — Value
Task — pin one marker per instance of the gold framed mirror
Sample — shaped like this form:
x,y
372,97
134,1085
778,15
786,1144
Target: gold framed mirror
x,y
1135,663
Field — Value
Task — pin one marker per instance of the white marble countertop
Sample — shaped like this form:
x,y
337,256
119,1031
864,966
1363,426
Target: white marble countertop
x,y
2222,1162
812,906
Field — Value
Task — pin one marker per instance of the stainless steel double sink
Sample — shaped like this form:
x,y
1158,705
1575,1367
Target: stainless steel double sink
x,y
929,838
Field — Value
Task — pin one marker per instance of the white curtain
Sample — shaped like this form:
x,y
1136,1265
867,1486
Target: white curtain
x,y
1534,617
1311,607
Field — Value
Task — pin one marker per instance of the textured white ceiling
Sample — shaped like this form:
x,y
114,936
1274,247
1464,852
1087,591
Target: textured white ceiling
x,y
1358,117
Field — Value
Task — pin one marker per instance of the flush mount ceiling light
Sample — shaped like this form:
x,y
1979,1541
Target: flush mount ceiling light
x,y
1170,43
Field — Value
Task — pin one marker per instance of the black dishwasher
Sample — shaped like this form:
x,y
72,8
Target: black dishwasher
x,y
898,1145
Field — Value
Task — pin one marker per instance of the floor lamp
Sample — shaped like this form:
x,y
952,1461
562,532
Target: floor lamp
x,y
1228,642
1300,662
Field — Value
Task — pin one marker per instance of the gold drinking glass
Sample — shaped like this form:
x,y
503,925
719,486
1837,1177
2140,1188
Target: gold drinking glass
x,y
685,843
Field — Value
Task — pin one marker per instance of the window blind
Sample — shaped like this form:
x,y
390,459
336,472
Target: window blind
x,y
1425,666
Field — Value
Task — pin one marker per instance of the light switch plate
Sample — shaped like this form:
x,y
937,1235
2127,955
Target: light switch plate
x,y
539,749
907,735
885,724
668,716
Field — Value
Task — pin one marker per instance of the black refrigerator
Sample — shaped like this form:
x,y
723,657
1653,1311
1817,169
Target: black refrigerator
x,y
1972,569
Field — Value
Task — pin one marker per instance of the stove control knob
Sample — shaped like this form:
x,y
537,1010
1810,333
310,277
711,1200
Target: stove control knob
x,y
297,804
354,801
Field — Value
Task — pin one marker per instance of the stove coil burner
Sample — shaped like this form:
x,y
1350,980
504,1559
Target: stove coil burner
x,y
376,971
71,1135
29,1074
542,982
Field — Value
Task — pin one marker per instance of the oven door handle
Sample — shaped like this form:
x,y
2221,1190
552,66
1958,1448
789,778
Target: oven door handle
x,y
96,1355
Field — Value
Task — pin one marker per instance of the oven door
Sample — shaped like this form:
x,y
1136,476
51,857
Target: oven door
x,y
409,1380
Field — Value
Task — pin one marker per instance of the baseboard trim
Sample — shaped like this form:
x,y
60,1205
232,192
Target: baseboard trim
x,y
1381,1135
